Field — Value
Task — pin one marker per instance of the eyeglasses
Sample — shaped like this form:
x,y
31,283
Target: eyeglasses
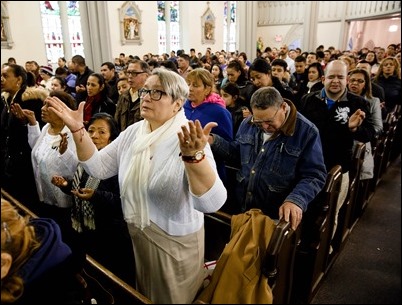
x,y
7,233
154,94
353,80
269,121
134,73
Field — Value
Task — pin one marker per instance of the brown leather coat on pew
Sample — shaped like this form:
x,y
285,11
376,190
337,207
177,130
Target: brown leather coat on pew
x,y
237,278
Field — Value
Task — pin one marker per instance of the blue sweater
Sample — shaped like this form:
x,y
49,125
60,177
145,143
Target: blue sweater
x,y
213,112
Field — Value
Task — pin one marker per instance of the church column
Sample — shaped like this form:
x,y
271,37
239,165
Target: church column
x,y
246,17
310,26
344,32
65,30
97,43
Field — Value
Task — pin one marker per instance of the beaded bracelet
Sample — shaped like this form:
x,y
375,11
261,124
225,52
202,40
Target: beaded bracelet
x,y
82,132
74,131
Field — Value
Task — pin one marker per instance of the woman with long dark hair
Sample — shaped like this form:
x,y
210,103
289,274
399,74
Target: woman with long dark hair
x,y
16,165
97,99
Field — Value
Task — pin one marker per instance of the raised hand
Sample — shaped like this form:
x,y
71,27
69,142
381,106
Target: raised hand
x,y
24,115
72,118
63,143
194,137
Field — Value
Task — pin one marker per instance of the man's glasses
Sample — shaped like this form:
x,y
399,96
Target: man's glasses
x,y
154,94
359,81
269,121
134,73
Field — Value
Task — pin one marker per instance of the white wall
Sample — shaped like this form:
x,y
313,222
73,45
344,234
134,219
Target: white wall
x,y
149,29
271,34
26,33
328,34
375,32
191,13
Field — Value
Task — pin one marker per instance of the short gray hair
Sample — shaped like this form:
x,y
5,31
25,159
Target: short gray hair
x,y
265,98
173,84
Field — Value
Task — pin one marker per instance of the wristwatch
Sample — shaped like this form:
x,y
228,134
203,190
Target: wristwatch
x,y
198,156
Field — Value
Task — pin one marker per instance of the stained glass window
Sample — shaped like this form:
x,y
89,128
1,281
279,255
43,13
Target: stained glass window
x,y
74,27
52,29
169,36
229,26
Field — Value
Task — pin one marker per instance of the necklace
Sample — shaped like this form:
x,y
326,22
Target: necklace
x,y
54,130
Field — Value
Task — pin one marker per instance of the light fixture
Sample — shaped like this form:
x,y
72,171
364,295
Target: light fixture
x,y
393,28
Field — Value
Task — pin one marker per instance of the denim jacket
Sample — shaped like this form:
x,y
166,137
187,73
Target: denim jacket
x,y
288,167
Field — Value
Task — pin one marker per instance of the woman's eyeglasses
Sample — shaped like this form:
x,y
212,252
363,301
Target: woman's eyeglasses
x,y
154,94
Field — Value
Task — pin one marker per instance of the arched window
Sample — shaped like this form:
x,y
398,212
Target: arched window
x,y
168,26
61,29
229,26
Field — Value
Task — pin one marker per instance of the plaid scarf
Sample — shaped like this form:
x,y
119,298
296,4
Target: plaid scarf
x,y
82,211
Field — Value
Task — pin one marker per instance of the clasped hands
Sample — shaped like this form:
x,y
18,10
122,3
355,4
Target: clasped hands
x,y
356,119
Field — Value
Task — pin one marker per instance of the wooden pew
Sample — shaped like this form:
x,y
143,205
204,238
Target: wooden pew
x,y
98,282
359,200
16,203
390,135
230,205
345,219
366,191
110,288
312,254
217,234
378,159
279,262
383,146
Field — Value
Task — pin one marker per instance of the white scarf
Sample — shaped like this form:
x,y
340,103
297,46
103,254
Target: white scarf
x,y
135,184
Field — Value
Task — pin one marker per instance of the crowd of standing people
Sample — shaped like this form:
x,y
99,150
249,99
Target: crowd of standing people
x,y
123,163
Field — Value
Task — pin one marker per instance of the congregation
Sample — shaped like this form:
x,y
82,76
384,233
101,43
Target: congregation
x,y
143,146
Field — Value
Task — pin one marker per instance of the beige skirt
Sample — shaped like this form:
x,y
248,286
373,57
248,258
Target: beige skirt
x,y
169,269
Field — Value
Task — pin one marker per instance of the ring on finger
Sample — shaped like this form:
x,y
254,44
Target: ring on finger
x,y
187,142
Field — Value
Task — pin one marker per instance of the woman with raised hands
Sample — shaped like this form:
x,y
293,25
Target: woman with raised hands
x,y
167,178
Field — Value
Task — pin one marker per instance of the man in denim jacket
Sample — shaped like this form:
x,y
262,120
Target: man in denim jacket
x,y
279,155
